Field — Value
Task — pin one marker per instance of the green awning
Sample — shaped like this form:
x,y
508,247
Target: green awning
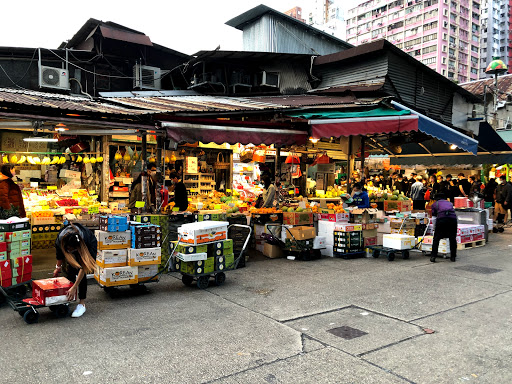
x,y
376,112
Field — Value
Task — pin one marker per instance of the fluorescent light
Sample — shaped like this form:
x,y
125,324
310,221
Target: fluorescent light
x,y
453,146
41,139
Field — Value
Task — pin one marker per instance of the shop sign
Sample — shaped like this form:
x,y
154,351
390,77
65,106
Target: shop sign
x,y
13,142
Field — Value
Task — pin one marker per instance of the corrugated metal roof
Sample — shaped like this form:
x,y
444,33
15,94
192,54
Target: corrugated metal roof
x,y
235,104
504,86
247,55
65,102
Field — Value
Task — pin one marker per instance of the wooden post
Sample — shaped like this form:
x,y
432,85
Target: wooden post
x,y
105,167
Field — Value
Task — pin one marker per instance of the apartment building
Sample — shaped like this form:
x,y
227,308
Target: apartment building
x,y
296,13
443,34
496,36
327,15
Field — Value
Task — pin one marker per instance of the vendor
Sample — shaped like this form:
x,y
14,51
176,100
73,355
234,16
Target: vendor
x,y
136,189
10,192
180,192
269,193
360,197
445,226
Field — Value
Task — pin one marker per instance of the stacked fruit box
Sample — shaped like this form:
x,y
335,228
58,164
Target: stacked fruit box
x,y
112,267
15,255
161,221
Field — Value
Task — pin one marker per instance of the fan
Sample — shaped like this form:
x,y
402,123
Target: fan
x,y
51,76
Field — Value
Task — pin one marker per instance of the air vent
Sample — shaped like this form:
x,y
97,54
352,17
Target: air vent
x,y
146,77
50,77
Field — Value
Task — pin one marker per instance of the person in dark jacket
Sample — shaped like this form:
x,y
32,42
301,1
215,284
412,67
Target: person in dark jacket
x,y
453,190
445,227
180,192
78,246
136,189
489,189
503,200
10,192
464,186
476,185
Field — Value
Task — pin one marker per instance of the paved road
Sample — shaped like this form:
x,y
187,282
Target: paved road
x,y
282,321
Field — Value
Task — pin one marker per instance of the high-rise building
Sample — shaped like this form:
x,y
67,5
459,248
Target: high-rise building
x,y
443,34
296,13
327,15
496,37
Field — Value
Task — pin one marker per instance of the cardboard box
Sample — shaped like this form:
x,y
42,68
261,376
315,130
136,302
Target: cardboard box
x,y
147,273
298,218
24,270
187,249
2,237
408,224
334,217
109,258
302,233
66,173
144,256
192,256
369,241
111,277
114,227
113,240
369,226
363,215
328,251
198,267
43,220
51,291
21,279
348,227
272,251
203,232
3,256
397,205
5,273
397,241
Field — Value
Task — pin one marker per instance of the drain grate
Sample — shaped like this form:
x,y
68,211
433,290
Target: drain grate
x,y
347,333
478,269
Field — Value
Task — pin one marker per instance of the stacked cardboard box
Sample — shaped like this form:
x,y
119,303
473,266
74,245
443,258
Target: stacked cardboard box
x,y
15,257
44,236
202,252
112,267
165,222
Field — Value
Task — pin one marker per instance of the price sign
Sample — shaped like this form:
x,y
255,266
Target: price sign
x,y
228,190
175,209
291,192
140,204
51,188
45,208
92,210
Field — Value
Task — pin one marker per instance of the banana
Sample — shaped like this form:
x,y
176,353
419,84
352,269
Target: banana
x,y
62,160
55,160
22,159
37,160
5,159
46,160
30,160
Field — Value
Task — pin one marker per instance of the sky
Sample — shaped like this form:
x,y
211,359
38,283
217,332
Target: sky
x,y
185,26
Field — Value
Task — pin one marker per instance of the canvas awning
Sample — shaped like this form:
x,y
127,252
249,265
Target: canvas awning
x,y
268,134
441,132
374,121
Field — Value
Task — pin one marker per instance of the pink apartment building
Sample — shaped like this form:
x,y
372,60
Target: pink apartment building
x,y
443,34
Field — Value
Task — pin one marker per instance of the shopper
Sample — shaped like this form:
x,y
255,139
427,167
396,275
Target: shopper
x,y
399,184
269,192
464,185
136,189
443,185
418,194
10,192
445,226
360,197
77,246
489,190
180,192
433,187
475,185
453,190
502,199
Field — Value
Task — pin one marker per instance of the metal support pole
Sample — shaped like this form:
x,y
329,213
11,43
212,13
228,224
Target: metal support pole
x,y
350,165
144,169
362,160
105,167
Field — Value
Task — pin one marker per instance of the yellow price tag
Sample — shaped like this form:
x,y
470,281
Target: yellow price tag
x,y
51,188
290,192
228,190
140,204
45,208
175,209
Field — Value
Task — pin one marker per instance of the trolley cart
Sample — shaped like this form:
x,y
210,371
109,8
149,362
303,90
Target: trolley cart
x,y
391,253
28,308
300,253
202,279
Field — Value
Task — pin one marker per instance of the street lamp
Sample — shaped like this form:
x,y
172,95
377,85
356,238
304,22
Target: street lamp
x,y
496,67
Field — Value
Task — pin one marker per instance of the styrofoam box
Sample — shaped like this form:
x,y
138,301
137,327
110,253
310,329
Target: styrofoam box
x,y
397,241
319,242
326,227
203,232
192,256
328,251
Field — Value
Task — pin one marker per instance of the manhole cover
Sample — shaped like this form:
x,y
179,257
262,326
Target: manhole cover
x,y
347,333
478,269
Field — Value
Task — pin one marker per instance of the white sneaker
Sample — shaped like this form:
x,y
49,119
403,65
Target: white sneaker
x,y
79,311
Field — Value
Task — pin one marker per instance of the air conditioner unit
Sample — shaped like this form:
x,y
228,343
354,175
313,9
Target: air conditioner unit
x,y
269,79
56,78
146,77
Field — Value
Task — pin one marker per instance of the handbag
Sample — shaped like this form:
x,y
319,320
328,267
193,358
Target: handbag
x,y
246,157
220,163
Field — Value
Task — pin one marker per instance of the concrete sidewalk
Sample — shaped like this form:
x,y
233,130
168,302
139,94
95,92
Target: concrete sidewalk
x,y
282,321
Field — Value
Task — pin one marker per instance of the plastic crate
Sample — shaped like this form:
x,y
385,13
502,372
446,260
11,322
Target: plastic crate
x,y
488,204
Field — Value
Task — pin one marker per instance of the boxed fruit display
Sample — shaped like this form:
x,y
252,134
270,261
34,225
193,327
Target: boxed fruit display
x,y
187,249
220,248
192,256
301,233
51,291
196,267
203,232
225,262
146,241
398,241
397,205
5,273
334,217
113,240
111,277
109,258
144,256
298,218
339,227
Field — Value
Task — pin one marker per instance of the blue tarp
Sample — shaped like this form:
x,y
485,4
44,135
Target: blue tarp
x,y
442,132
